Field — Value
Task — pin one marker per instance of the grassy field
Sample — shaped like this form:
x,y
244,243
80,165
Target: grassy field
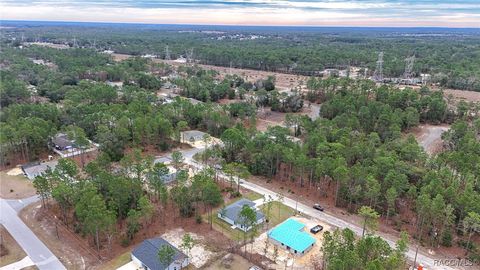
x,y
252,196
117,261
278,213
15,186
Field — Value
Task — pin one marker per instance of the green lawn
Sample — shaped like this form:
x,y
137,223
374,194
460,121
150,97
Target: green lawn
x,y
252,196
225,228
117,261
275,219
278,213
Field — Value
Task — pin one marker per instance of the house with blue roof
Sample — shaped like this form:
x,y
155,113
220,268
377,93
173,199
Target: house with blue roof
x,y
231,214
145,256
291,235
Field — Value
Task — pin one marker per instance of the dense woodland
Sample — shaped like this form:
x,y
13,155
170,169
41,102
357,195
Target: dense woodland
x,y
452,56
356,150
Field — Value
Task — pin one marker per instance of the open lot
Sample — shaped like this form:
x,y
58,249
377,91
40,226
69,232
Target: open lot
x,y
430,137
117,262
15,186
70,249
230,261
10,251
200,253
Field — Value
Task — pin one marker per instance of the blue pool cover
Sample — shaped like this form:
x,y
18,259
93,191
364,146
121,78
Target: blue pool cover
x,y
290,233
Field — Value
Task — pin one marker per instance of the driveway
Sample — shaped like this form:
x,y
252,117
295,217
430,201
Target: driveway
x,y
41,256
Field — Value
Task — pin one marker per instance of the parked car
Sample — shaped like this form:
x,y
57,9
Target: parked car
x,y
316,229
318,207
254,267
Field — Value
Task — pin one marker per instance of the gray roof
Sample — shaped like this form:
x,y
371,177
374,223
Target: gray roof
x,y
195,134
233,210
35,169
147,253
61,140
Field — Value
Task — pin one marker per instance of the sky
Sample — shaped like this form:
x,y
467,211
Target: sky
x,y
375,13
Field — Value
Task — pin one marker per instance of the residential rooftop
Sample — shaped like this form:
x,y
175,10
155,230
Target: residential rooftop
x,y
291,234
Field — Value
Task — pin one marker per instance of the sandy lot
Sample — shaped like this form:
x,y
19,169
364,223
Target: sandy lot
x,y
283,81
15,186
430,137
288,81
230,261
285,258
199,255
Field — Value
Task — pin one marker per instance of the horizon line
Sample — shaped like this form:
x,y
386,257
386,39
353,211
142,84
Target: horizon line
x,y
240,25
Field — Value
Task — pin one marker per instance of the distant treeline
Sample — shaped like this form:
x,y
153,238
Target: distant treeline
x,y
452,57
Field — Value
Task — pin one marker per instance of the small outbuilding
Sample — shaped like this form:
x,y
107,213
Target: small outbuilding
x,y
231,214
146,256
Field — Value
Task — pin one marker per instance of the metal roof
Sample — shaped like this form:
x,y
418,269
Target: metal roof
x,y
35,169
61,140
195,134
291,234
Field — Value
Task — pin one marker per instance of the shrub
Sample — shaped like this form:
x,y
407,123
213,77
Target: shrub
x,y
198,219
447,239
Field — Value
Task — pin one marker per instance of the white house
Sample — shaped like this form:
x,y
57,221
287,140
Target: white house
x,y
231,214
146,256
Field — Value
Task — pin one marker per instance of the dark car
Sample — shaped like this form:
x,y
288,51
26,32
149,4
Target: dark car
x,y
316,229
318,207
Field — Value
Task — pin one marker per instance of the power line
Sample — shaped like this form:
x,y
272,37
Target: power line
x,y
409,61
167,53
378,74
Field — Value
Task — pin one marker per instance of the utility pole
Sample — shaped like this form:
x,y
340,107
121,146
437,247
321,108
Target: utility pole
x,y
378,74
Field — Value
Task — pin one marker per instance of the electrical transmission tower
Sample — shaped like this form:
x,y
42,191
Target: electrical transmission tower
x,y
167,53
190,56
409,61
378,74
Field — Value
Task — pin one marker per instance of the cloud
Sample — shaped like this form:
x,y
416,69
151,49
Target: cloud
x,y
446,13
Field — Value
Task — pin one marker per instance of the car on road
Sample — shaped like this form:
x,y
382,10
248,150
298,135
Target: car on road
x,y
318,207
316,229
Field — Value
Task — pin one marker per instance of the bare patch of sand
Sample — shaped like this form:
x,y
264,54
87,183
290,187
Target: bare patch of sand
x,y
199,255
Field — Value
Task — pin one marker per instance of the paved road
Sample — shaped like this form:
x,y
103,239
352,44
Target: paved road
x,y
426,260
35,249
